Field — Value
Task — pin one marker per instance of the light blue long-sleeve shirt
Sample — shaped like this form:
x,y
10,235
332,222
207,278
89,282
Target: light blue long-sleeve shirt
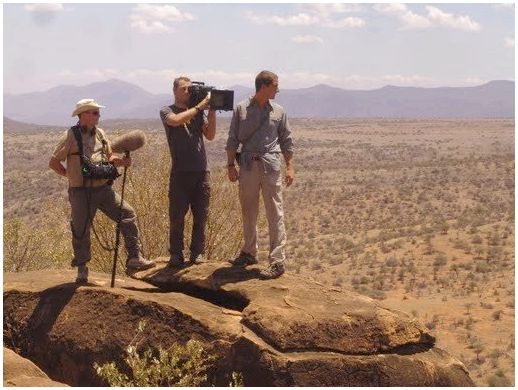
x,y
271,133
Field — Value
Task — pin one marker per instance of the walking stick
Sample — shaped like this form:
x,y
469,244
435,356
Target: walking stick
x,y
118,230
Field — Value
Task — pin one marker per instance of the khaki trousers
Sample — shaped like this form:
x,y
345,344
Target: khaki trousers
x,y
85,201
251,182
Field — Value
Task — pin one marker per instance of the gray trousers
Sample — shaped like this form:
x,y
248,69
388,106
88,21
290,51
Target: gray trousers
x,y
84,201
188,190
251,183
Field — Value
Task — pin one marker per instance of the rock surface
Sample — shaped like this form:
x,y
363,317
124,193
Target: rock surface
x,y
19,371
284,332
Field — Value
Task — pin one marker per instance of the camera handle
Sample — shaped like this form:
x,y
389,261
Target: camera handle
x,y
118,229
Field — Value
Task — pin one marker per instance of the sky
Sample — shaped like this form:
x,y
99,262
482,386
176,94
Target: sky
x,y
351,46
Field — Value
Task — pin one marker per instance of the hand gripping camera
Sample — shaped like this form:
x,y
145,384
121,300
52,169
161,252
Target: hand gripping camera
x,y
220,99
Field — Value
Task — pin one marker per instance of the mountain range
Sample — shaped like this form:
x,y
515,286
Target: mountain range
x,y
124,100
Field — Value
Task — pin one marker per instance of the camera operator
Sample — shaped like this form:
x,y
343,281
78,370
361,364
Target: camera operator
x,y
189,183
87,195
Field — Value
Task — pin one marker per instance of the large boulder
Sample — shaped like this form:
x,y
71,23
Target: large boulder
x,y
290,331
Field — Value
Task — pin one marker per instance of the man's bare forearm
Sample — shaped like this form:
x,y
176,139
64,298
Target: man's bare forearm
x,y
210,130
182,117
231,157
288,158
57,167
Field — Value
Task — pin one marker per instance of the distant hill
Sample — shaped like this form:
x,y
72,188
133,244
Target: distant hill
x,y
11,126
125,100
55,106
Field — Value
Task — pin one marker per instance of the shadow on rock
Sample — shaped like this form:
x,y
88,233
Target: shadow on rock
x,y
52,302
233,274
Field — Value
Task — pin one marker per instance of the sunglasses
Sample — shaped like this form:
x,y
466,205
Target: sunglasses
x,y
94,113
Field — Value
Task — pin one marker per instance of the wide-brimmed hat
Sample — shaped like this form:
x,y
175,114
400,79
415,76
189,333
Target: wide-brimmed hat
x,y
86,105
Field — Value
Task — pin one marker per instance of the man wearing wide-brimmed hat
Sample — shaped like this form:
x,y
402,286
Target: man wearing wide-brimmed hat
x,y
87,195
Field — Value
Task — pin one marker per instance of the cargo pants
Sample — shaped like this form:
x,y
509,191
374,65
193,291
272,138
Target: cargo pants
x,y
84,202
251,183
188,190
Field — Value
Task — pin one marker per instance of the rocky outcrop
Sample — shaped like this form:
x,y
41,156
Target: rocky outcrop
x,y
19,371
291,331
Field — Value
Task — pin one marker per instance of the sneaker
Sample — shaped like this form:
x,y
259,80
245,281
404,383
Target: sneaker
x,y
197,259
273,271
176,261
82,274
243,260
139,264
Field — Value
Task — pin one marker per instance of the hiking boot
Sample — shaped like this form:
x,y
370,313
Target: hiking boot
x,y
273,271
243,260
176,261
82,274
138,264
197,259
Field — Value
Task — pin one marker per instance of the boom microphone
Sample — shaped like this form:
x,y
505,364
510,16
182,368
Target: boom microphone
x,y
129,142
125,143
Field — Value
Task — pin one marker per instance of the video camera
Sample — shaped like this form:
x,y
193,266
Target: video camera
x,y
220,99
100,170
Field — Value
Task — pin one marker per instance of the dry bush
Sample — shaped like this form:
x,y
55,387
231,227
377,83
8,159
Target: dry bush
x,y
27,248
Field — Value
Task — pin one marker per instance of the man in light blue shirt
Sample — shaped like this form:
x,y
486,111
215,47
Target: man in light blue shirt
x,y
261,127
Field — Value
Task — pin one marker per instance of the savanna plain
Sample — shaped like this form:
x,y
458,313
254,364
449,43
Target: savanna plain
x,y
417,214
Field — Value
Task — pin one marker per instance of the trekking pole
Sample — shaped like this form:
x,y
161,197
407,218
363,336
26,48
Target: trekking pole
x,y
118,229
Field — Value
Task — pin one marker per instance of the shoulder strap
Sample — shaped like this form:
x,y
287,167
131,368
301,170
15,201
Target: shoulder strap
x,y
77,135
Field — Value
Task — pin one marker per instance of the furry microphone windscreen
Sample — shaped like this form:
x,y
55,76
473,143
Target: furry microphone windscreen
x,y
129,142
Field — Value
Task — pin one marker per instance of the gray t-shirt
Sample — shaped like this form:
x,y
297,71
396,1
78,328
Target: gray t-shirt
x,y
185,142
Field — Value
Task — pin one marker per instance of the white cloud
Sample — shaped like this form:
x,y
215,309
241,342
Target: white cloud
x,y
150,26
326,10
151,19
325,15
405,79
435,17
44,7
307,39
410,19
504,5
509,42
352,22
473,81
301,19
44,13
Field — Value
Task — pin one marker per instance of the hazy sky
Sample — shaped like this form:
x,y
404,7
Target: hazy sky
x,y
352,46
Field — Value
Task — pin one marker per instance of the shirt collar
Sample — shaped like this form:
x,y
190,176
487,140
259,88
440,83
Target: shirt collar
x,y
253,102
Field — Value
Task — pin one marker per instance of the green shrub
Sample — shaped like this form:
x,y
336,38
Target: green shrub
x,y
440,260
482,267
179,365
499,379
